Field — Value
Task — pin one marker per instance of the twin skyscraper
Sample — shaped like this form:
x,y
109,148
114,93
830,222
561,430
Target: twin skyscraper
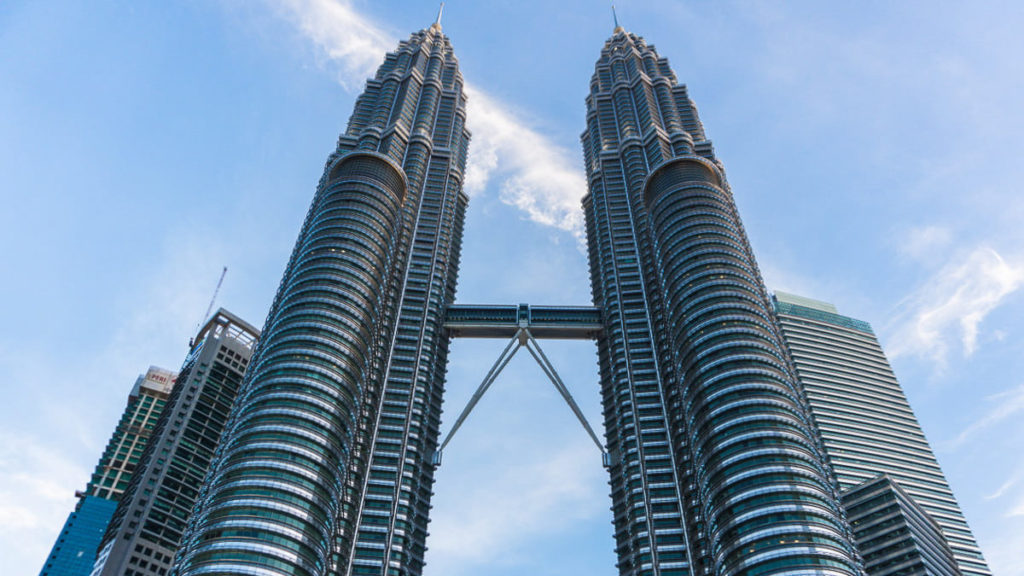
x,y
724,451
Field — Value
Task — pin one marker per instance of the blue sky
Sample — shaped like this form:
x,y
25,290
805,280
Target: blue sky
x,y
874,150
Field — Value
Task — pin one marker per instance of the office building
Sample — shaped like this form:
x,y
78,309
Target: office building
x,y
146,528
895,536
327,467
75,549
864,418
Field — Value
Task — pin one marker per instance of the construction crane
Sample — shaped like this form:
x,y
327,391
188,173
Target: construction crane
x,y
209,308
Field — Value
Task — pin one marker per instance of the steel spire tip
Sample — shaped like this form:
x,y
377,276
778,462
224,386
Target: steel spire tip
x,y
437,22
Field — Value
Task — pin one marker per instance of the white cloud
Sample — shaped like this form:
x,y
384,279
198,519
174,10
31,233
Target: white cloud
x,y
347,38
537,176
521,479
170,300
952,304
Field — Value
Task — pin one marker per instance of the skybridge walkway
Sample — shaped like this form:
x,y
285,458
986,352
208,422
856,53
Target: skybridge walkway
x,y
504,321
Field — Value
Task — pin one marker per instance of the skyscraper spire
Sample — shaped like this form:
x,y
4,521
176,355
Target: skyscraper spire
x,y
615,17
440,11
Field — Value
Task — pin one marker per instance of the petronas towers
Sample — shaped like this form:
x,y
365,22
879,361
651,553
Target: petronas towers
x,y
327,462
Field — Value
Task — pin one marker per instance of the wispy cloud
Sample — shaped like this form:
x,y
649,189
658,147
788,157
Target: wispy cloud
x,y
1003,488
537,176
951,305
164,314
1004,405
1004,554
347,38
1003,548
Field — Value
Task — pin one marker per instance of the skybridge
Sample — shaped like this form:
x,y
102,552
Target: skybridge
x,y
523,325
503,321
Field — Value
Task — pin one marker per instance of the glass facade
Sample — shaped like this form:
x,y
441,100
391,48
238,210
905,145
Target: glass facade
x,y
716,467
76,546
864,418
326,465
147,526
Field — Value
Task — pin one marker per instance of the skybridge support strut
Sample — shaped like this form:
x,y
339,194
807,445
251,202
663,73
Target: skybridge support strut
x,y
492,374
522,339
535,350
